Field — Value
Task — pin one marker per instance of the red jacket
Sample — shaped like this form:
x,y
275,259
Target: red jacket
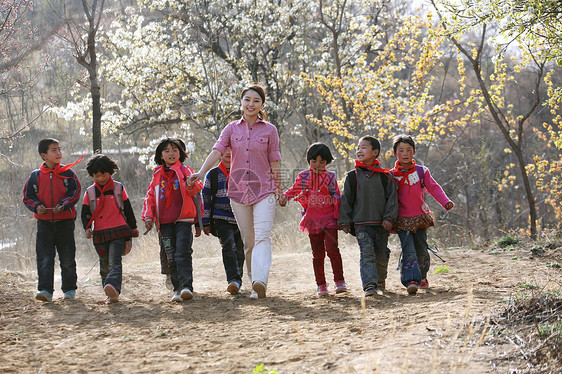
x,y
50,190
150,207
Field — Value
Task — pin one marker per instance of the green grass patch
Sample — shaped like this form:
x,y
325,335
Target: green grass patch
x,y
507,241
261,370
441,270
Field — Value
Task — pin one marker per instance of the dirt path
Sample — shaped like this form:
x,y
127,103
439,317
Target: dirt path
x,y
292,331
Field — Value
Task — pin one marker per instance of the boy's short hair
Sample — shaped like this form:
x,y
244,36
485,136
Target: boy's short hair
x,y
43,146
101,163
319,149
375,144
403,138
179,144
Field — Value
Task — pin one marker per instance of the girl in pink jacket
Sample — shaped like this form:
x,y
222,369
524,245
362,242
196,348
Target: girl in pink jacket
x,y
169,205
414,217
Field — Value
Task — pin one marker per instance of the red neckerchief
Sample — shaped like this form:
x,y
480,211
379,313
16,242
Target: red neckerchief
x,y
401,172
169,185
315,182
107,187
58,170
222,167
359,164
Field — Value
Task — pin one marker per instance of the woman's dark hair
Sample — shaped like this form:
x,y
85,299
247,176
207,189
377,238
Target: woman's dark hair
x,y
44,144
101,163
403,138
179,144
260,91
319,149
375,144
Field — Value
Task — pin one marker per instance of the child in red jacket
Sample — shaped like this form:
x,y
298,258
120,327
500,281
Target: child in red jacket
x,y
51,193
108,217
169,205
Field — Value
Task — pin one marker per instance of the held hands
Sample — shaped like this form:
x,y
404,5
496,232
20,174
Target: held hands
x,y
192,179
135,233
207,230
41,209
197,231
387,225
347,230
449,205
282,199
88,233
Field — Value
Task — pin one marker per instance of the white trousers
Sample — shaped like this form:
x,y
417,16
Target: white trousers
x,y
255,222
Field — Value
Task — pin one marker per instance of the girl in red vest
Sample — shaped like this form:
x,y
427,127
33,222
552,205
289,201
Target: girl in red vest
x,y
108,218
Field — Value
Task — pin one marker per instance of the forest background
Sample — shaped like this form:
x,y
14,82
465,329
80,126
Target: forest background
x,y
476,84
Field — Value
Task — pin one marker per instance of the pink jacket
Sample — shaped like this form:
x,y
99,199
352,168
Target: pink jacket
x,y
410,196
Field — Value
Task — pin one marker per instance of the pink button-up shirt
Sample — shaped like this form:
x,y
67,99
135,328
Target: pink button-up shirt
x,y
253,149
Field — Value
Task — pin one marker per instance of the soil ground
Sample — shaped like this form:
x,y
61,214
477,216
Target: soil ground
x,y
442,330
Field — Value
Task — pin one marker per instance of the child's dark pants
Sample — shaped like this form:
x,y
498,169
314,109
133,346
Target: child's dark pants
x,y
326,242
232,250
372,241
176,239
111,269
52,238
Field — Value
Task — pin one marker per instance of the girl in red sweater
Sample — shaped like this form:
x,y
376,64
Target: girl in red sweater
x,y
316,189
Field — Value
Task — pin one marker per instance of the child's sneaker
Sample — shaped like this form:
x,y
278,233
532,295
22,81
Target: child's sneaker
x,y
424,284
45,296
111,293
177,297
254,295
323,290
69,295
186,294
381,285
370,291
412,288
233,288
259,287
341,287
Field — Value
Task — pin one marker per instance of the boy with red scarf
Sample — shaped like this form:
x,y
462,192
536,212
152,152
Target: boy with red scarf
x,y
369,205
414,217
51,193
218,213
108,218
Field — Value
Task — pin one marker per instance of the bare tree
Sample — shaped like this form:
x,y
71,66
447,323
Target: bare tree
x,y
82,37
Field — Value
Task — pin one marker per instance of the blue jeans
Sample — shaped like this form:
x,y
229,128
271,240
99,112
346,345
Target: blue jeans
x,y
111,269
410,270
372,242
52,238
232,250
420,242
176,239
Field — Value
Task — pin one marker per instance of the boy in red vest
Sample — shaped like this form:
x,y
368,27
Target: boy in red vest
x,y
51,193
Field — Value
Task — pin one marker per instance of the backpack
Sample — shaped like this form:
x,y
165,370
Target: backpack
x,y
118,193
214,179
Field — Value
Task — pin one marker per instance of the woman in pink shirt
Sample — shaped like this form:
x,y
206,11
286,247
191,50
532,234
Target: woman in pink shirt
x,y
414,217
253,181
